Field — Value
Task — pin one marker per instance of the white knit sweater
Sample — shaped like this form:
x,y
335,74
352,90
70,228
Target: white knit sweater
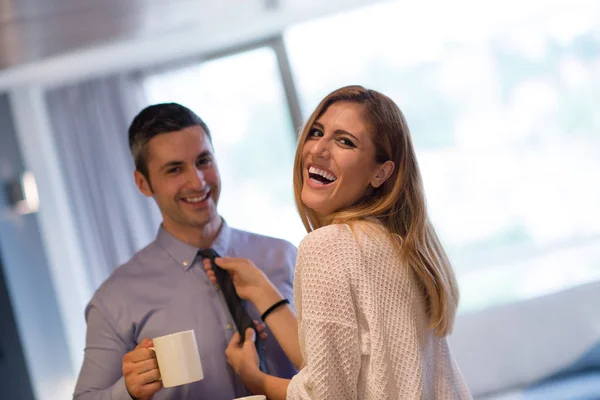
x,y
362,323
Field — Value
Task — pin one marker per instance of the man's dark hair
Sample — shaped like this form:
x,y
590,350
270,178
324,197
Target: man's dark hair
x,y
155,120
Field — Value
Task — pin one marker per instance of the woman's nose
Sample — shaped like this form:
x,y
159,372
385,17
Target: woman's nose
x,y
321,148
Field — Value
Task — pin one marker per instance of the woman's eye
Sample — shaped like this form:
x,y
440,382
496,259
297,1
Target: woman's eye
x,y
315,133
347,142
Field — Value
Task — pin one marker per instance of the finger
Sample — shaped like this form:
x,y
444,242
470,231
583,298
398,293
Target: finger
x,y
149,389
145,366
230,263
211,276
234,342
260,327
145,343
149,376
141,354
209,271
233,260
250,335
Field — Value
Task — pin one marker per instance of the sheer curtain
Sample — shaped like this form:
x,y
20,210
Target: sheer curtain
x,y
90,121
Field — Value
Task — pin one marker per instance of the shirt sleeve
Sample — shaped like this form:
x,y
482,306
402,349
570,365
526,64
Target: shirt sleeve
x,y
328,326
282,276
101,376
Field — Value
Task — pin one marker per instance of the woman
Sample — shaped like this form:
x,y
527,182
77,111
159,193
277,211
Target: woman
x,y
375,293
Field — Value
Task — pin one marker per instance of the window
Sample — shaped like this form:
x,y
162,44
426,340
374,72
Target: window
x,y
503,110
241,98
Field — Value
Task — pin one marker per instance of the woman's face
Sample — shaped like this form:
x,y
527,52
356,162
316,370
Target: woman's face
x,y
338,160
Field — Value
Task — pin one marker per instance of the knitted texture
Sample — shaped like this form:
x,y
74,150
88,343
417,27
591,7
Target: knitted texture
x,y
363,326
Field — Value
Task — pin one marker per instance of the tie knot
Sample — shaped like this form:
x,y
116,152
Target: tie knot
x,y
208,253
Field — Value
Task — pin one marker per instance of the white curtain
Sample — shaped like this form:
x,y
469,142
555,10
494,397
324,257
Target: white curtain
x,y
90,121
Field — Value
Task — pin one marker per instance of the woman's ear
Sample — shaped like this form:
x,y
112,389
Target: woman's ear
x,y
383,172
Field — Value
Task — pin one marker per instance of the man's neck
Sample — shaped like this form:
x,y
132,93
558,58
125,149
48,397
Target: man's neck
x,y
200,237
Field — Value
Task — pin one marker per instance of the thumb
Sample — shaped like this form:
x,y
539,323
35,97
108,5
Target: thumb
x,y
250,335
228,263
222,262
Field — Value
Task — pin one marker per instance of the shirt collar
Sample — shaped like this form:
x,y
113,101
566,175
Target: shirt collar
x,y
184,254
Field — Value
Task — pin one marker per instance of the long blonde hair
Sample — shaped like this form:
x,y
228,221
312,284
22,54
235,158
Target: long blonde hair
x,y
399,204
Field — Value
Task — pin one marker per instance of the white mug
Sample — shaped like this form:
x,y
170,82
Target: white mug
x,y
256,397
178,358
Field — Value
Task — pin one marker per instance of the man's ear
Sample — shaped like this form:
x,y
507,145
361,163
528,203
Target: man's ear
x,y
142,183
383,173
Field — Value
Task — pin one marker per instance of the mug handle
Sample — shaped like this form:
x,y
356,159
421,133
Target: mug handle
x,y
154,350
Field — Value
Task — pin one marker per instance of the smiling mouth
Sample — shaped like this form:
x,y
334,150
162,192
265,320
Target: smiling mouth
x,y
320,177
196,199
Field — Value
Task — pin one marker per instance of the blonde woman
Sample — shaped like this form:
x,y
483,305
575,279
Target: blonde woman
x,y
374,291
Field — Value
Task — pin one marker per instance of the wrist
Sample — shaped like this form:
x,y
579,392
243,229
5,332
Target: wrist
x,y
266,298
255,382
274,308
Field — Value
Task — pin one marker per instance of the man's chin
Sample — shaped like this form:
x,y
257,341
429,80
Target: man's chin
x,y
212,219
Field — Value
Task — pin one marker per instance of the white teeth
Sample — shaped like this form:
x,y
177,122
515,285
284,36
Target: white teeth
x,y
196,199
324,174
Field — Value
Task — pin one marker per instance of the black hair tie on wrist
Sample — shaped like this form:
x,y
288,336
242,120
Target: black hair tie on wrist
x,y
273,308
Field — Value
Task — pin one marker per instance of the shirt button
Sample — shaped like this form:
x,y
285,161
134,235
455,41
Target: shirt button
x,y
229,327
186,263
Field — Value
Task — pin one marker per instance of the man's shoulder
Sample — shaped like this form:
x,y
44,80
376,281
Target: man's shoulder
x,y
257,240
274,256
130,272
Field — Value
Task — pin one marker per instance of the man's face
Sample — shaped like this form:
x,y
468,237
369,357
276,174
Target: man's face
x,y
184,179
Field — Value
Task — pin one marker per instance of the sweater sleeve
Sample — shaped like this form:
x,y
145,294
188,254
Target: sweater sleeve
x,y
328,327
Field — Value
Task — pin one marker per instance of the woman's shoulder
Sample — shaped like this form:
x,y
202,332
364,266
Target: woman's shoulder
x,y
352,235
328,254
328,235
331,231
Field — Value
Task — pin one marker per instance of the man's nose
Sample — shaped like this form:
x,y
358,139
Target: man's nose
x,y
196,179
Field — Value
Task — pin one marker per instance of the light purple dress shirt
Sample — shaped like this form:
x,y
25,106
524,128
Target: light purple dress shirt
x,y
164,289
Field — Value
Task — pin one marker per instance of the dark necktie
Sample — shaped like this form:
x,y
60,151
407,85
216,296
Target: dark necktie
x,y
234,303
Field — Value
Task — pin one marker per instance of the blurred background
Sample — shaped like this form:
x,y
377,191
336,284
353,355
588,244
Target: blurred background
x,y
502,98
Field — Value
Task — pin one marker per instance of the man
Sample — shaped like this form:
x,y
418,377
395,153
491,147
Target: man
x,y
164,289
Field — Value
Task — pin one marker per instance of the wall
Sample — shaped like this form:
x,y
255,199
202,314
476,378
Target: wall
x,y
13,370
28,280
